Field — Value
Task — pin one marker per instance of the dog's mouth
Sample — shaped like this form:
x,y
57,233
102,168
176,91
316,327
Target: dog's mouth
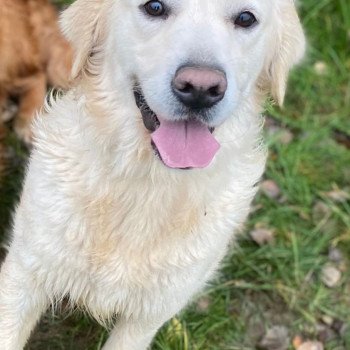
x,y
149,118
181,144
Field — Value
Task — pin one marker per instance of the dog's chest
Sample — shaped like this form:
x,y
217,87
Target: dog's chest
x,y
143,238
155,244
142,230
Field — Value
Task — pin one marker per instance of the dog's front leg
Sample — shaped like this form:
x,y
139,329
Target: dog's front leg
x,y
130,334
21,304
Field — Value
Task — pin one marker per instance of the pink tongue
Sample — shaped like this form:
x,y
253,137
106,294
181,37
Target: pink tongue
x,y
185,144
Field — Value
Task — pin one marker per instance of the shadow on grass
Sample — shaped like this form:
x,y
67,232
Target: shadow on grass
x,y
11,179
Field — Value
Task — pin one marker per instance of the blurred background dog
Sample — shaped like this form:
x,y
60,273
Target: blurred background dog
x,y
33,56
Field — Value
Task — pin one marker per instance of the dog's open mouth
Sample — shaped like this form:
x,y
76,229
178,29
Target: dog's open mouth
x,y
149,118
182,144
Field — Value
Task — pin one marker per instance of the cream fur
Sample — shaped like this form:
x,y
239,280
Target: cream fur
x,y
101,220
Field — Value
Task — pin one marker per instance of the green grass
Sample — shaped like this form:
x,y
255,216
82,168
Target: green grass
x,y
276,284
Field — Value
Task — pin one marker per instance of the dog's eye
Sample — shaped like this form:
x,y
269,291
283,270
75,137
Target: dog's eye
x,y
245,19
155,8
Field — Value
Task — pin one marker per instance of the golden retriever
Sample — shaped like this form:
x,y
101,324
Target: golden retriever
x,y
33,54
142,174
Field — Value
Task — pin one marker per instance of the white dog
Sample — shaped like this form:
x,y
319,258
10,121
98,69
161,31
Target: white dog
x,y
109,217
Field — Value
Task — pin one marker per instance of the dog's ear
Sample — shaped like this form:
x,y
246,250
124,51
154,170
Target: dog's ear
x,y
80,24
288,48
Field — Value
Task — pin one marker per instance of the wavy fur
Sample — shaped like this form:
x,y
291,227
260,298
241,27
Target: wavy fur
x,y
101,220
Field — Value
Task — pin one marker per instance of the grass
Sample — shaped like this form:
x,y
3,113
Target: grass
x,y
278,283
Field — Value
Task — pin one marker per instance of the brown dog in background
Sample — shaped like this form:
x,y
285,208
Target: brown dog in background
x,y
33,55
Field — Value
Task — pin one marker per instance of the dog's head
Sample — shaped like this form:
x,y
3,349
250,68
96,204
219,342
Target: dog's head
x,y
190,64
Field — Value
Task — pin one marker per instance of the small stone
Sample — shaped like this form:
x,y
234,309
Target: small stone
x,y
262,236
270,189
328,320
286,137
331,276
320,68
311,345
276,338
203,304
335,255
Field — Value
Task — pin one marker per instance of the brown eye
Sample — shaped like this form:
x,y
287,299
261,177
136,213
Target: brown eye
x,y
155,8
245,20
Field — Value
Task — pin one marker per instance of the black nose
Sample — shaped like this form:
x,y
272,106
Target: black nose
x,y
199,87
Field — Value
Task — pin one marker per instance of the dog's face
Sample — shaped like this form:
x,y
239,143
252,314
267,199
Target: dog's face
x,y
194,58
190,63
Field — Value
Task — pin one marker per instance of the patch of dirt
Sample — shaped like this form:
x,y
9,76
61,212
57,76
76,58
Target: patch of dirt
x,y
342,138
74,332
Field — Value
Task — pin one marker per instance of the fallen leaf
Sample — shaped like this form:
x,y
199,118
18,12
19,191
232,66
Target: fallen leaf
x,y
270,189
297,341
338,196
331,276
276,338
311,345
262,236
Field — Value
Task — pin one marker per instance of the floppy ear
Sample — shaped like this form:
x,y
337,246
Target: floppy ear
x,y
80,25
288,48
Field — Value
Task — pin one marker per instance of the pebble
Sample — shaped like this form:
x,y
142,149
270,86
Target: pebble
x,y
262,236
328,320
331,276
203,304
320,68
270,189
286,136
335,255
311,345
276,338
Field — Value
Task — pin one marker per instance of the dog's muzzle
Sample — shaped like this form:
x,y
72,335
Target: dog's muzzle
x,y
180,144
199,88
